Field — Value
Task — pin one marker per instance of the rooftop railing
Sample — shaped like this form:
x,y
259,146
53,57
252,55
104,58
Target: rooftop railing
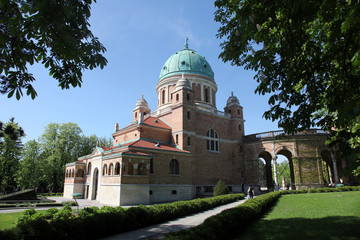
x,y
281,132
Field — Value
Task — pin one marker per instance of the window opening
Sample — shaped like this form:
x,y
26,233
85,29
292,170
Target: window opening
x,y
174,167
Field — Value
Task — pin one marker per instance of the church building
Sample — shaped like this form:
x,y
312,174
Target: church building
x,y
177,152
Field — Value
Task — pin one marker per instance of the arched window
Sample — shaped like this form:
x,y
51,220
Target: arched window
x,y
189,141
151,165
67,173
80,173
117,168
141,170
111,167
135,115
174,167
129,169
176,139
206,94
177,97
212,142
105,170
72,173
163,97
188,115
89,169
188,96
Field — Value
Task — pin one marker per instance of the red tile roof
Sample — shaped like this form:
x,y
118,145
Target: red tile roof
x,y
150,121
156,122
151,145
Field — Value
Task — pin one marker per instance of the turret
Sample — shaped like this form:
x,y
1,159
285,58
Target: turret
x,y
141,110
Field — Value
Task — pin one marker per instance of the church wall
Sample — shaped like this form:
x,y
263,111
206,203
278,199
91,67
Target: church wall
x,y
169,192
110,194
131,194
155,134
127,136
210,167
70,189
161,173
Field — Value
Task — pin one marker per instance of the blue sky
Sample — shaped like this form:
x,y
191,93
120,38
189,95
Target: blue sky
x,y
139,37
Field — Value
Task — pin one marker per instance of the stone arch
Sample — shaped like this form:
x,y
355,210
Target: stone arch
x,y
328,173
284,151
104,170
141,169
267,157
111,169
95,184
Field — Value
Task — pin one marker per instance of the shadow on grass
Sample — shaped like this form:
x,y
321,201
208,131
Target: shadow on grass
x,y
338,227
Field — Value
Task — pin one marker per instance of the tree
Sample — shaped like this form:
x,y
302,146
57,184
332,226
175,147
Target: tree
x,y
29,174
61,144
220,189
306,55
53,33
10,150
283,170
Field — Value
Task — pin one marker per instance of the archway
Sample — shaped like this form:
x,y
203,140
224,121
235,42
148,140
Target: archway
x,y
95,184
328,174
285,169
265,158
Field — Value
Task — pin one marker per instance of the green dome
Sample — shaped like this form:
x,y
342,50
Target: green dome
x,y
186,61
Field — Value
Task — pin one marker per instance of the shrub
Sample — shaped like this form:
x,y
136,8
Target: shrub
x,y
220,189
95,223
225,225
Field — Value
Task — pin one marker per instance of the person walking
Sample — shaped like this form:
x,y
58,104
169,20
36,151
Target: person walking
x,y
251,191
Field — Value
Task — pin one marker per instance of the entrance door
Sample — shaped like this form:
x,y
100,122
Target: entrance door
x,y
95,184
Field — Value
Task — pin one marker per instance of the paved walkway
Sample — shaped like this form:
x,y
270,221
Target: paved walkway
x,y
160,230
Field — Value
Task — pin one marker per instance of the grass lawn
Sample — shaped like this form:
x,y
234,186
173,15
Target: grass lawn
x,y
330,216
7,220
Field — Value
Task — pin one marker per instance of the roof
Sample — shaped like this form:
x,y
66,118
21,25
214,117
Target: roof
x,y
159,146
186,61
150,121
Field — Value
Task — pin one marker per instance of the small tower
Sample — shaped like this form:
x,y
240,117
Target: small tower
x,y
141,110
182,92
235,110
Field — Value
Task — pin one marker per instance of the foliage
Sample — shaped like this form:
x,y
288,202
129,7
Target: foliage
x,y
10,150
283,170
53,33
306,55
93,223
226,224
220,189
29,173
43,162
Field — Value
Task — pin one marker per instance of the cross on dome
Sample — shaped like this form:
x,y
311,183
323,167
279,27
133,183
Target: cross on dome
x,y
186,43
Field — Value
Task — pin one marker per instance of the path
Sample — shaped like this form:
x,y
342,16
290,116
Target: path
x,y
160,230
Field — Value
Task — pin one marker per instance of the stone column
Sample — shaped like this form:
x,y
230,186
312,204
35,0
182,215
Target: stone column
x,y
335,168
202,92
276,187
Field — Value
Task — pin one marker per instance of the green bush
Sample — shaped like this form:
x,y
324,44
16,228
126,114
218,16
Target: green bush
x,y
220,189
226,224
94,223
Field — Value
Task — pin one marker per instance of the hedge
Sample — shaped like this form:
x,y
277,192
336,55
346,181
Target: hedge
x,y
225,225
94,223
321,190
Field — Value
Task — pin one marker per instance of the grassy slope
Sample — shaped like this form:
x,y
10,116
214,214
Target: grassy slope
x,y
311,216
